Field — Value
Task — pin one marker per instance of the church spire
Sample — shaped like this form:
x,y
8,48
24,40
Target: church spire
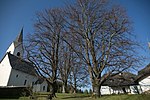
x,y
16,48
20,36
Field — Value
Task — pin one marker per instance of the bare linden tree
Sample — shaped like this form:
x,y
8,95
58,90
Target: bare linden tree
x,y
102,38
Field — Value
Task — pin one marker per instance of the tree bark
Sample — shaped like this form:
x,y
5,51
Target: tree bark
x,y
54,89
96,90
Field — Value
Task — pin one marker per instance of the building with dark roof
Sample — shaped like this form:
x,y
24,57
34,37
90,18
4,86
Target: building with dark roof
x,y
126,82
120,83
143,73
143,78
122,79
15,71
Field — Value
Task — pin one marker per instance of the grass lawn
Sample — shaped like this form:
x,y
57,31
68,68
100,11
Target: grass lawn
x,y
109,97
61,96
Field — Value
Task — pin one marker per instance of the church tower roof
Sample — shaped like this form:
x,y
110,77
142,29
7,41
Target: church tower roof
x,y
20,36
16,47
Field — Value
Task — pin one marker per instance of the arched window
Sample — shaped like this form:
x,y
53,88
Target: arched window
x,y
18,54
17,75
25,81
43,88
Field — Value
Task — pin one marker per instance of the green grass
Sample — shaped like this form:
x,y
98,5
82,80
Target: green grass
x,y
61,96
66,96
109,97
125,97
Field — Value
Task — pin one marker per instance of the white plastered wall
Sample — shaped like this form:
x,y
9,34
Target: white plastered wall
x,y
105,90
39,87
17,78
11,48
5,70
145,84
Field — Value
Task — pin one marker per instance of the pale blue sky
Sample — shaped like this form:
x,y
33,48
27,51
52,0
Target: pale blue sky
x,y
15,14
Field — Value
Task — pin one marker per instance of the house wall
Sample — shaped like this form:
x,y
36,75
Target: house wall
x,y
145,81
135,89
5,70
145,88
119,90
18,78
106,90
145,84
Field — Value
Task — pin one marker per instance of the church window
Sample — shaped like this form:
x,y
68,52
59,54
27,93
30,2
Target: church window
x,y
43,88
18,54
25,82
32,83
17,75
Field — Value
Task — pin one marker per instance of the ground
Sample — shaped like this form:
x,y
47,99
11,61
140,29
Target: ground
x,y
87,97
61,96
110,97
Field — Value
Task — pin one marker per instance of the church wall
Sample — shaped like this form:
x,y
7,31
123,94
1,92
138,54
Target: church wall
x,y
5,69
18,49
44,86
11,48
18,78
40,87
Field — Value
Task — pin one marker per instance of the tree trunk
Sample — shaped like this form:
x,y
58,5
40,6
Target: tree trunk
x,y
75,90
96,87
96,91
75,86
54,89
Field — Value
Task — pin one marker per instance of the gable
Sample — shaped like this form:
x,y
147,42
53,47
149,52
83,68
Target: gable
x,y
11,48
145,81
144,73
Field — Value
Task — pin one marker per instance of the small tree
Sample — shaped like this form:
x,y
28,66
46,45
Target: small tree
x,y
65,65
79,76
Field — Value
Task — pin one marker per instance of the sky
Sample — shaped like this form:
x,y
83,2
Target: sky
x,y
15,14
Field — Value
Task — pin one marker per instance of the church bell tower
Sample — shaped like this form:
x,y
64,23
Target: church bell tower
x,y
16,47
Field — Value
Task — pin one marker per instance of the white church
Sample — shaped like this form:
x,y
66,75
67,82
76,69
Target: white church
x,y
17,72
